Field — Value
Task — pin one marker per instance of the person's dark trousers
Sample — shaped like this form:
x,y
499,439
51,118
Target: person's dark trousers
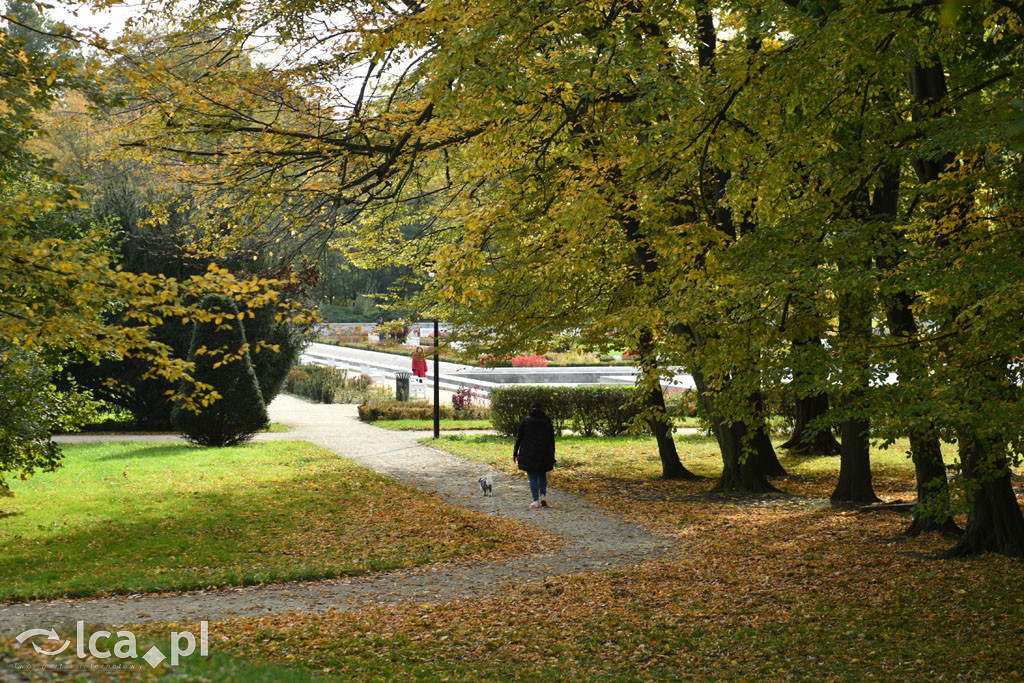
x,y
538,484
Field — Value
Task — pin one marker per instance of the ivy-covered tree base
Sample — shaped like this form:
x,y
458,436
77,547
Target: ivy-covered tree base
x,y
932,489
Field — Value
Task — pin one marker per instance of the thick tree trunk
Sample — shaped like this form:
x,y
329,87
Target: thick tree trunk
x,y
805,440
995,523
854,484
741,471
746,455
661,424
767,459
812,434
741,462
933,511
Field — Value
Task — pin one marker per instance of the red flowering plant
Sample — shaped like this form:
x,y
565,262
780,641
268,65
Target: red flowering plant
x,y
462,399
530,362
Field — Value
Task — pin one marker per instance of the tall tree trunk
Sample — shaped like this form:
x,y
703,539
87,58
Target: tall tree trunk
x,y
812,433
854,484
661,424
933,509
767,459
746,456
741,462
671,466
995,523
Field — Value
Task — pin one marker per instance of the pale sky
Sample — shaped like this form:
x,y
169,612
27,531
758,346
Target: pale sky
x,y
109,22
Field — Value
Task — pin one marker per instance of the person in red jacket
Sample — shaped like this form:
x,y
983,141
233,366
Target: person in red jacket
x,y
419,362
534,452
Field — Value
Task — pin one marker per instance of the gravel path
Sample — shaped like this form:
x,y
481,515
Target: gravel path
x,y
593,539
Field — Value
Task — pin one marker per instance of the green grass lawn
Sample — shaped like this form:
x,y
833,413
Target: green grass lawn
x,y
134,517
421,425
598,466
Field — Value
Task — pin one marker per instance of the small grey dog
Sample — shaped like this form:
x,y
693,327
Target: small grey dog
x,y
486,485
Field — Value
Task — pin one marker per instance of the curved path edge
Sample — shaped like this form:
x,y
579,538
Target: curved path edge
x,y
594,539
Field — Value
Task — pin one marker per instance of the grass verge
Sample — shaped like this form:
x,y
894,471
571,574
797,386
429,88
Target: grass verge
x,y
423,425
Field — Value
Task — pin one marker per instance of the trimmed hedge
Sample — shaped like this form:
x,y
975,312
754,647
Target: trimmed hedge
x,y
374,410
606,410
391,409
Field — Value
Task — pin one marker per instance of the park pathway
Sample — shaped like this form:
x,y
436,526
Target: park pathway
x,y
593,539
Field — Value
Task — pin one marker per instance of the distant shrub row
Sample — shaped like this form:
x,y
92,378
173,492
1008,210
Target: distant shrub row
x,y
383,409
533,361
606,410
325,384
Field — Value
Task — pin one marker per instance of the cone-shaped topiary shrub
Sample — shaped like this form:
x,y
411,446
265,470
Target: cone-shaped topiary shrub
x,y
240,411
272,366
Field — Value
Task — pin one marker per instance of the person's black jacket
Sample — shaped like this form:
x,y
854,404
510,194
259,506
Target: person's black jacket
x,y
535,444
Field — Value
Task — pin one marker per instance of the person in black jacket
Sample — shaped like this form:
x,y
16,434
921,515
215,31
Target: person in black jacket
x,y
534,452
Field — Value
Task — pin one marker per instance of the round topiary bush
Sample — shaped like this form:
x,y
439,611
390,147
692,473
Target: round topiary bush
x,y
222,361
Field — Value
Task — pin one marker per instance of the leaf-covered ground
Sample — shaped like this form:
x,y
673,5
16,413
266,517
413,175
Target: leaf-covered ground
x,y
621,472
136,517
782,587
776,588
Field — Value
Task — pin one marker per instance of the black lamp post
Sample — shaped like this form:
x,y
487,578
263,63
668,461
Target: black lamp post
x,y
437,387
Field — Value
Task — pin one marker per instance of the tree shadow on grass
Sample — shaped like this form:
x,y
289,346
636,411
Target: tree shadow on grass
x,y
168,450
311,527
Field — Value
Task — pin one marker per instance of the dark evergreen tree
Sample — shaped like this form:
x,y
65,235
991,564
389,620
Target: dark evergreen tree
x,y
272,365
224,364
145,248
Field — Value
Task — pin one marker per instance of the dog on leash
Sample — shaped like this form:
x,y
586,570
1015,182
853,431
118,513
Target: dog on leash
x,y
486,485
